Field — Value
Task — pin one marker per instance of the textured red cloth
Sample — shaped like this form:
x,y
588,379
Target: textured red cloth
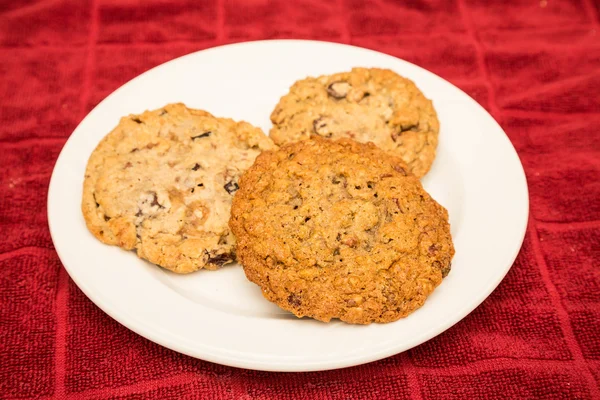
x,y
534,64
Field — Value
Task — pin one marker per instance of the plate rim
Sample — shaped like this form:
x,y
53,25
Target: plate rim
x,y
138,326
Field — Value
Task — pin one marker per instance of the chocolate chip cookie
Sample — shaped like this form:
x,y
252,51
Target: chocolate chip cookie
x,y
338,229
367,105
162,182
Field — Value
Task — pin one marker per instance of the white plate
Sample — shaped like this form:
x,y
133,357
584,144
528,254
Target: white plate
x,y
220,316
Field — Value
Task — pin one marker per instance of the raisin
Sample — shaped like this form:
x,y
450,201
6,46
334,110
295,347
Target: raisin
x,y
205,134
231,187
154,200
338,90
320,127
404,128
221,259
95,201
409,127
294,300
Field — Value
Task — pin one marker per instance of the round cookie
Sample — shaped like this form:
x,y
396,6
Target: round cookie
x,y
162,182
367,105
338,229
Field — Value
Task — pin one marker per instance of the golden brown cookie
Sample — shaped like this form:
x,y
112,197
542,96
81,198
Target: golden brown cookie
x,y
367,105
337,229
162,182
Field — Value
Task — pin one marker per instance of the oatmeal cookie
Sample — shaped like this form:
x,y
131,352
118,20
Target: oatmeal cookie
x,y
162,182
338,229
367,105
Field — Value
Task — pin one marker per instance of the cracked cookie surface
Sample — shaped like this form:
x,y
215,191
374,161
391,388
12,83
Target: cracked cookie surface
x,y
161,183
367,105
338,229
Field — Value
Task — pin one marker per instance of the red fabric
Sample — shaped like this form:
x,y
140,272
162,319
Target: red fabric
x,y
534,64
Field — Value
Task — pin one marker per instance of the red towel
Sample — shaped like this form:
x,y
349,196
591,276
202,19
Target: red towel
x,y
534,64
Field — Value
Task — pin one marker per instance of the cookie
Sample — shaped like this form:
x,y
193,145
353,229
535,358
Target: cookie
x,y
338,229
161,183
367,105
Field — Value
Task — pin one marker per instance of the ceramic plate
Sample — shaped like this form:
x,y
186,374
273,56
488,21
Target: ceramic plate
x,y
220,316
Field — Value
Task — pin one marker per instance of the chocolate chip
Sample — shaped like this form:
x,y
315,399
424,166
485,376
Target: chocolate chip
x,y
200,184
231,187
106,218
338,90
196,167
205,134
221,259
294,300
136,119
336,252
162,112
134,150
320,127
139,213
398,168
128,165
